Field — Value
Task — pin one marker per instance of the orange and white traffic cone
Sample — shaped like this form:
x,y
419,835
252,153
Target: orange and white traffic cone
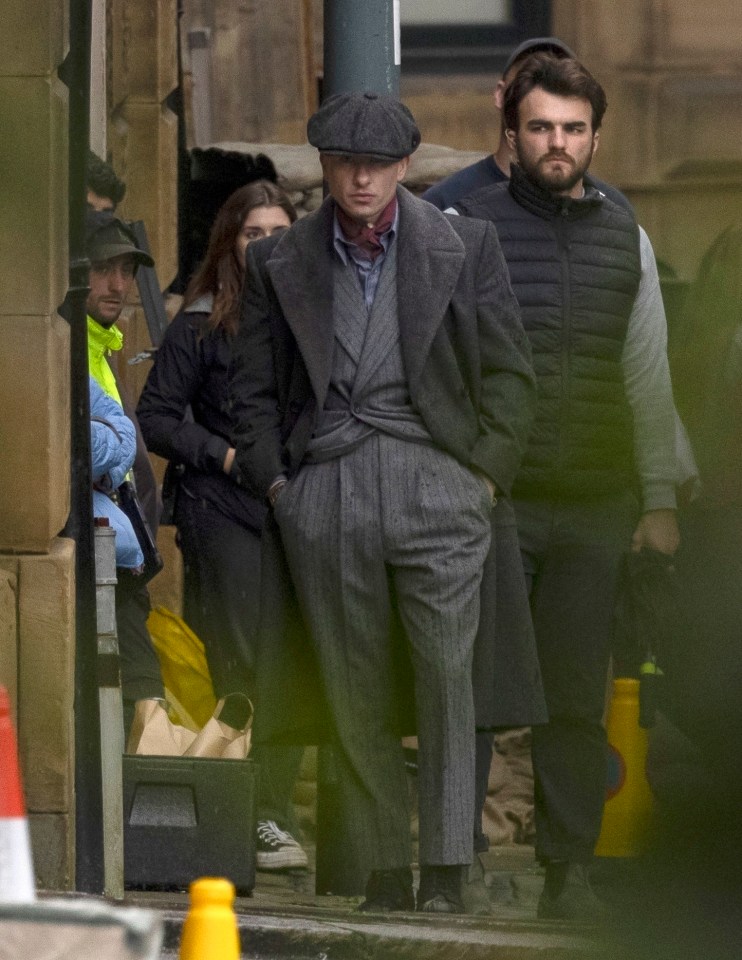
x,y
16,870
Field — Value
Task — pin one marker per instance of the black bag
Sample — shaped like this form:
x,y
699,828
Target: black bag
x,y
645,625
127,499
170,487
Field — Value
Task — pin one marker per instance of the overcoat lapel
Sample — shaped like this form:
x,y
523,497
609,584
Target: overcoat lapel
x,y
301,271
430,257
383,326
350,315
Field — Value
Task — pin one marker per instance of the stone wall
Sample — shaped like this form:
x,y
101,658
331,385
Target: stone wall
x,y
250,69
37,623
300,173
142,129
673,77
36,566
671,70
34,480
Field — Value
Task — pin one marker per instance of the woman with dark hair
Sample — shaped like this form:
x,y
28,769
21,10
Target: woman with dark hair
x,y
184,416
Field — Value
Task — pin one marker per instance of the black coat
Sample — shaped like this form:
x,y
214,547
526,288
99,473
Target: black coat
x,y
470,378
190,370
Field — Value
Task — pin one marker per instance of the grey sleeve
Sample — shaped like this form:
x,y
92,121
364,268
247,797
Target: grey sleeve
x,y
648,388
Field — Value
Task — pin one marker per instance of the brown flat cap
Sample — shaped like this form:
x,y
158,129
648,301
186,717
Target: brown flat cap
x,y
369,124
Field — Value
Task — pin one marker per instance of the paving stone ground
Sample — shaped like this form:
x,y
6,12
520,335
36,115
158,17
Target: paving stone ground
x,y
284,919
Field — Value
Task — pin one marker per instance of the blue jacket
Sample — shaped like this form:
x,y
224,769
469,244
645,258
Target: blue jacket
x,y
112,450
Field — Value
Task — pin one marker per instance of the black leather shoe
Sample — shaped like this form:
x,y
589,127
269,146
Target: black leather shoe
x,y
474,893
388,891
440,890
567,895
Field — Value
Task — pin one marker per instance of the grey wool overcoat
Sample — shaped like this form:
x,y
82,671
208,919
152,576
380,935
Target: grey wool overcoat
x,y
468,367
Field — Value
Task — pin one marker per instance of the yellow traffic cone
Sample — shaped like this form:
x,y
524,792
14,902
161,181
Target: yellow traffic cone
x,y
628,805
210,929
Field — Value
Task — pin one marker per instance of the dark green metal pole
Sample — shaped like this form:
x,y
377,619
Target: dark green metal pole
x,y
361,46
88,778
362,52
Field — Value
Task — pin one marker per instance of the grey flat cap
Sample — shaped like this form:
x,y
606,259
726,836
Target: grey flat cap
x,y
537,45
370,124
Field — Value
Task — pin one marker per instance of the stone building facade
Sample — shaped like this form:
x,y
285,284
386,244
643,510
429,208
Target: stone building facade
x,y
37,579
36,565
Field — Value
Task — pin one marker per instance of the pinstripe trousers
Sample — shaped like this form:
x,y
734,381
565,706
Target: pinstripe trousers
x,y
398,522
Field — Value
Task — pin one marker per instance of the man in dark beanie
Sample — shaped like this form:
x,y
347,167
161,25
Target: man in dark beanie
x,y
382,396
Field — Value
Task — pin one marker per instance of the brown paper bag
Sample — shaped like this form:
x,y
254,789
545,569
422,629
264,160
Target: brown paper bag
x,y
154,734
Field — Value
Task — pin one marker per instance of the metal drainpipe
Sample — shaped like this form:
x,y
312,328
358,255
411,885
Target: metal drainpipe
x,y
111,710
361,42
88,782
361,52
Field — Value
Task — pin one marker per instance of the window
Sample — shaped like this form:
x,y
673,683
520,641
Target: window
x,y
443,13
467,36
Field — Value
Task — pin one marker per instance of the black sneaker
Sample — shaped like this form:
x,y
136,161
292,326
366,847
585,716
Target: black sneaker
x,y
440,889
567,895
277,849
388,891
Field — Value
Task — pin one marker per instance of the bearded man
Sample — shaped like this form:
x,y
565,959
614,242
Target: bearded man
x,y
597,476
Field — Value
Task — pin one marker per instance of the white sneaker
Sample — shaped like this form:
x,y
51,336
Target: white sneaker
x,y
277,849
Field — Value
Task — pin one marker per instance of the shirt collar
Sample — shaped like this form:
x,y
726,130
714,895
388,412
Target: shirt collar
x,y
344,247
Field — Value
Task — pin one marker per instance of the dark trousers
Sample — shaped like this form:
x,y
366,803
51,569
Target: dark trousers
x,y
484,746
506,616
571,557
221,596
221,605
394,522
140,668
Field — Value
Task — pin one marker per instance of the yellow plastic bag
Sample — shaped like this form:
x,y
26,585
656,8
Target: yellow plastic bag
x,y
185,673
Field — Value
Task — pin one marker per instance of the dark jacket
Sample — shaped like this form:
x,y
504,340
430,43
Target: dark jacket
x,y
470,378
575,270
190,370
465,353
485,173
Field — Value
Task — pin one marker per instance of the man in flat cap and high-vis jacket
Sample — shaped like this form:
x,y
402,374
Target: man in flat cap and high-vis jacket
x,y
382,394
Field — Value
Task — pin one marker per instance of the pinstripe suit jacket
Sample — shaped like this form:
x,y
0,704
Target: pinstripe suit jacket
x,y
468,367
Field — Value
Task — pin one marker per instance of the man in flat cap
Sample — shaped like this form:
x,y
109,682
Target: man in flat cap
x,y
382,395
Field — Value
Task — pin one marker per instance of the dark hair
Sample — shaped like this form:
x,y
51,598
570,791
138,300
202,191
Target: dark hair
x,y
536,45
101,179
221,271
557,75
